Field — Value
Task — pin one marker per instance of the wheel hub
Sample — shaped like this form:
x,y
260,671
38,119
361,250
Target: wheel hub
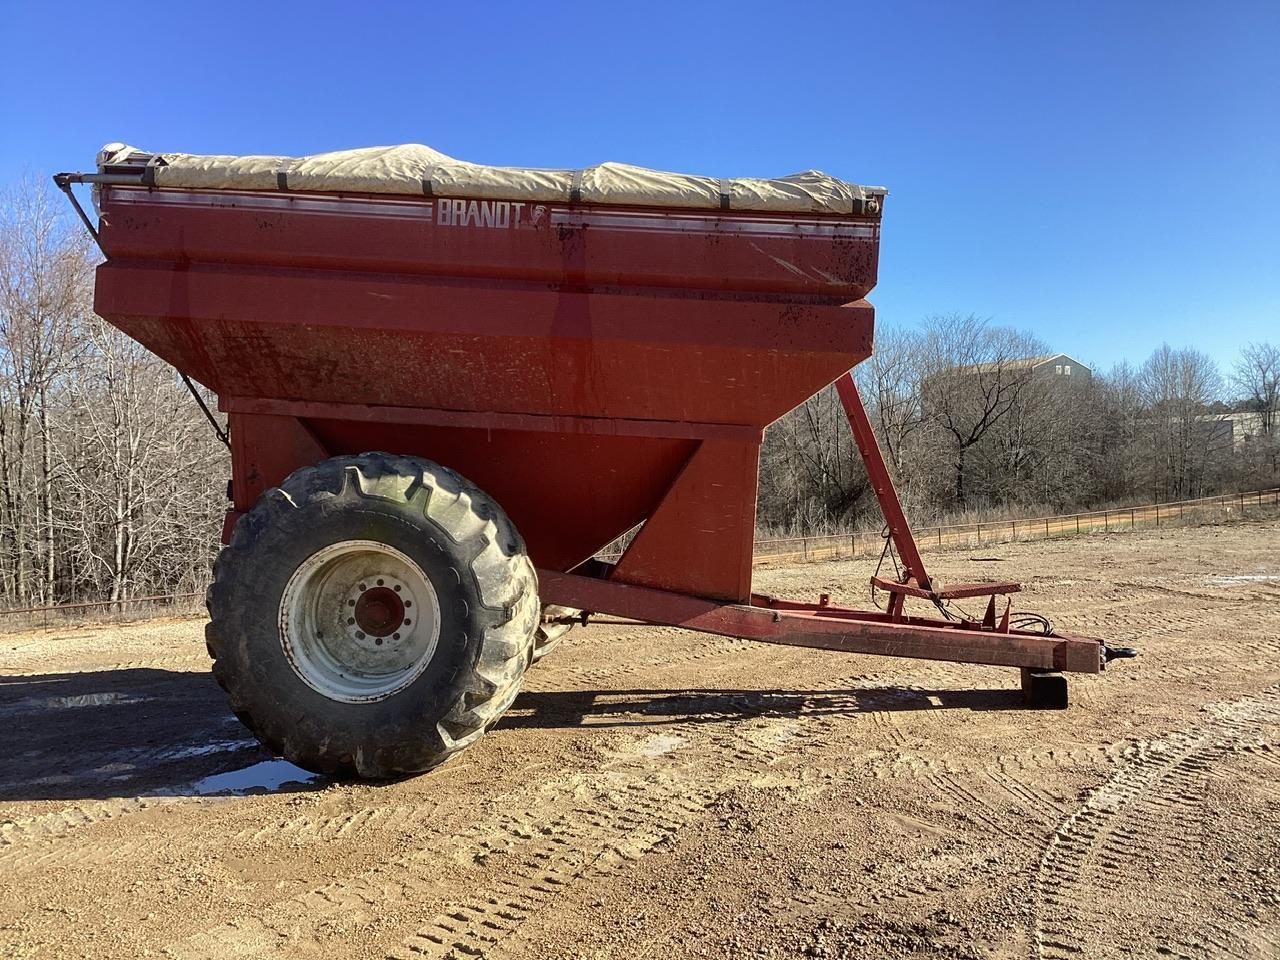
x,y
379,611
359,621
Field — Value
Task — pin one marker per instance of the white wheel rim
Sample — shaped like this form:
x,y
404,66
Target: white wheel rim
x,y
359,621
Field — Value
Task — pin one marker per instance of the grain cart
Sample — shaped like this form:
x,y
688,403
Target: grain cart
x,y
448,386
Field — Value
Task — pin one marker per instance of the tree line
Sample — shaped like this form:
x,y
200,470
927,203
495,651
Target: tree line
x,y
112,483
969,424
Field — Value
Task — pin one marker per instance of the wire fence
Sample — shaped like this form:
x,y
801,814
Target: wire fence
x,y
770,550
100,611
871,542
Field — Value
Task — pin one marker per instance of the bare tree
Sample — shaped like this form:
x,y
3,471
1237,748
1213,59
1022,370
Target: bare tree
x,y
889,381
813,479
1257,376
1177,387
45,283
109,479
1120,452
142,466
1041,451
975,373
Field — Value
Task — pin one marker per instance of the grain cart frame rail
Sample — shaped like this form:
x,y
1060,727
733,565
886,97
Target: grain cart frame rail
x,y
585,368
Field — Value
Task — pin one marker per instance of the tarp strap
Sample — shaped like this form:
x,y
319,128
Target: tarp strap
x,y
149,172
575,187
427,189
724,194
282,175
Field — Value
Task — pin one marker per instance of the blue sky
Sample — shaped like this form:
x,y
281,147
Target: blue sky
x,y
1106,175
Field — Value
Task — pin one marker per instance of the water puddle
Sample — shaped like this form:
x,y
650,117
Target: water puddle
x,y
264,777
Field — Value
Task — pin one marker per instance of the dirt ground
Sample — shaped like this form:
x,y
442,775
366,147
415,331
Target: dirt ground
x,y
656,793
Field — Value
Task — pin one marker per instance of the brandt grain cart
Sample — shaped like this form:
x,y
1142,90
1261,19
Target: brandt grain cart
x,y
448,386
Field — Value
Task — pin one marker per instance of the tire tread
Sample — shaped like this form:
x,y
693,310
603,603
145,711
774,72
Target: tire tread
x,y
505,578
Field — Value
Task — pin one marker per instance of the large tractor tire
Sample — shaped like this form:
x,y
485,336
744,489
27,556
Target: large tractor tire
x,y
549,635
372,616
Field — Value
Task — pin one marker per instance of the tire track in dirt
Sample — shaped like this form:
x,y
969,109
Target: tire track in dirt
x,y
965,786
681,649
19,834
964,783
482,923
39,831
306,829
593,841
1106,846
25,842
543,851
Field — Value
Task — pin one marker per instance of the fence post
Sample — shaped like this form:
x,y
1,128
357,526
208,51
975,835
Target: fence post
x,y
1133,515
1106,521
1046,526
1077,523
979,526
1157,515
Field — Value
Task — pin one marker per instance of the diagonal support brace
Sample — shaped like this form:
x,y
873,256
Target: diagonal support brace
x,y
864,436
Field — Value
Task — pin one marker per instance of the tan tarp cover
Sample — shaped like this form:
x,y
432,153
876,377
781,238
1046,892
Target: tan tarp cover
x,y
412,168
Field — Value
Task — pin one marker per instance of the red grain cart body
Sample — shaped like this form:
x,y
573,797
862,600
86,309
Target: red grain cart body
x,y
571,362
588,367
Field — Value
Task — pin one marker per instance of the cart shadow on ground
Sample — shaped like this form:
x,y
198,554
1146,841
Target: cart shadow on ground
x,y
130,732
656,707
148,732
